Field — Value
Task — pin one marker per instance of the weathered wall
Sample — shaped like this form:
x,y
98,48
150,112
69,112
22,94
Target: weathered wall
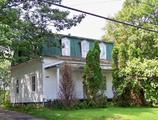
x,y
23,73
51,86
47,81
108,92
50,83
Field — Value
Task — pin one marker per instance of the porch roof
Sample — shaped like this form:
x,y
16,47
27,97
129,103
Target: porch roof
x,y
76,64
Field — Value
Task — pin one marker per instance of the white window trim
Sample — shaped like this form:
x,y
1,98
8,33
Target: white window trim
x,y
17,86
32,75
69,47
105,52
82,51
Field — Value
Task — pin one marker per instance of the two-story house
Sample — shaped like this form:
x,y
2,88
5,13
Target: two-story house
x,y
39,79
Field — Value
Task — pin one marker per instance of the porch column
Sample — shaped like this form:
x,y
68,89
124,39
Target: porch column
x,y
58,79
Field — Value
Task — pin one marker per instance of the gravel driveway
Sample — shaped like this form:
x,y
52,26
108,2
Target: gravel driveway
x,y
11,115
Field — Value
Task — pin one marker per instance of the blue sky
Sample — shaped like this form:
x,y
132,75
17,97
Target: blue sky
x,y
92,27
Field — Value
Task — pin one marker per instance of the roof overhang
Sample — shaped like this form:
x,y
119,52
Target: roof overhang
x,y
53,65
79,65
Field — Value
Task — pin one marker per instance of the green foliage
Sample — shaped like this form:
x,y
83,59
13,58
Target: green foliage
x,y
135,54
4,80
93,78
24,26
145,76
25,32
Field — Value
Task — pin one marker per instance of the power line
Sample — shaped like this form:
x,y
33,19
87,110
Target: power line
x,y
106,18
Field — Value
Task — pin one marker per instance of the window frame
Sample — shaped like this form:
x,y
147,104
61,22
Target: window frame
x,y
17,86
33,83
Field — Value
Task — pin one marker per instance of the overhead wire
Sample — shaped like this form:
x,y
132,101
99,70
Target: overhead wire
x,y
102,17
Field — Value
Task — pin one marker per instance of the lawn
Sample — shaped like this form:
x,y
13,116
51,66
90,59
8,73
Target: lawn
x,y
110,113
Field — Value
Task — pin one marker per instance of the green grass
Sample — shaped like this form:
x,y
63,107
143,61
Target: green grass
x,y
111,113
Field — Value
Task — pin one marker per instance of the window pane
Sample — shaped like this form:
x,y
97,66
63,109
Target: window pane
x,y
33,83
17,86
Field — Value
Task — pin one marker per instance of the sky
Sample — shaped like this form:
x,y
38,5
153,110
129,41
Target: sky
x,y
92,27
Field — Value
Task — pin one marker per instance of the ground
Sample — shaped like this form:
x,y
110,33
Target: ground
x,y
110,113
10,115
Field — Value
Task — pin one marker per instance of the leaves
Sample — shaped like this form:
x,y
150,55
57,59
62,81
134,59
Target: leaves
x,y
135,56
93,79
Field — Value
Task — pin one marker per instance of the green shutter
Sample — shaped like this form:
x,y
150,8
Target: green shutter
x,y
75,48
52,47
91,44
109,47
56,47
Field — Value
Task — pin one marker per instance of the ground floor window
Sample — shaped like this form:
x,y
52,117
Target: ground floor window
x,y
33,80
17,86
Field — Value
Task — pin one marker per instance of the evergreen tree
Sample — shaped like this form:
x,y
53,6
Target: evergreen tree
x,y
93,78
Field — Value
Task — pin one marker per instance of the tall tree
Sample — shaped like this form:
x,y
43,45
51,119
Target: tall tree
x,y
29,22
24,25
135,47
67,87
92,77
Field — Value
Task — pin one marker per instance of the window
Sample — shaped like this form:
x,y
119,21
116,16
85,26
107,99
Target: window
x,y
65,47
103,51
33,79
105,81
85,48
17,86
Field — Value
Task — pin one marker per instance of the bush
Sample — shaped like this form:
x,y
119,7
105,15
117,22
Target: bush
x,y
67,87
101,101
85,104
7,104
55,103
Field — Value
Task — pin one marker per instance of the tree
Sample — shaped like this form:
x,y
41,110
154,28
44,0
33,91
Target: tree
x,y
67,87
30,22
25,25
92,77
134,49
4,80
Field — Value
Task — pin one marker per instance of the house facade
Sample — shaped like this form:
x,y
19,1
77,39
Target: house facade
x,y
38,80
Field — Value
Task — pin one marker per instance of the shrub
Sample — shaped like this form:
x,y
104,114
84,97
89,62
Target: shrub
x,y
66,93
93,80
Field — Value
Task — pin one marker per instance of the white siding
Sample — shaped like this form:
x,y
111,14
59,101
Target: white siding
x,y
50,83
50,87
49,61
23,73
108,92
77,77
46,81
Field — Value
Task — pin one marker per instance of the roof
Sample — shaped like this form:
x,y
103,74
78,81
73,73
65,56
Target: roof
x,y
84,38
26,62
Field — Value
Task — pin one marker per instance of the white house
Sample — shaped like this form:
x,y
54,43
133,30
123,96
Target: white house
x,y
39,79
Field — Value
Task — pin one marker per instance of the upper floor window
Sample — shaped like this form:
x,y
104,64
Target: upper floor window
x,y
65,47
103,51
85,48
33,80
